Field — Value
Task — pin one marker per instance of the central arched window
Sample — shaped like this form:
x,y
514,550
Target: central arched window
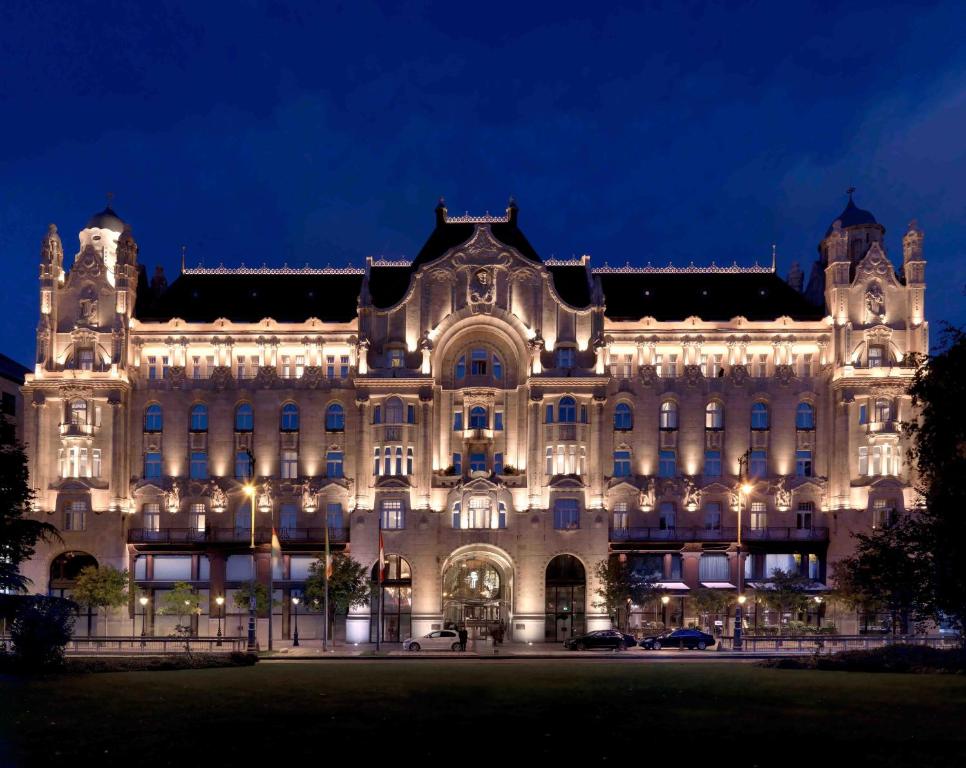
x,y
153,418
623,417
199,418
479,417
759,416
567,410
289,421
244,418
669,415
480,363
393,411
714,416
335,418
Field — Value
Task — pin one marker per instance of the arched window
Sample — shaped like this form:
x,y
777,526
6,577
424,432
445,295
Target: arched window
x,y
714,416
334,418
759,416
289,421
623,417
805,416
479,417
567,410
393,411
669,415
244,418
199,418
153,419
78,411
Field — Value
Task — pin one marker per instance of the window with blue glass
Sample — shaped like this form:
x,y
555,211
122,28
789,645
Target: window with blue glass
x,y
566,514
498,463
153,418
803,463
666,516
497,368
478,362
458,463
288,517
394,411
669,415
289,421
198,469
460,370
333,516
244,418
667,465
501,511
199,418
622,463
334,464
712,463
759,416
498,420
335,418
567,410
566,357
477,462
805,416
478,417
458,421
410,414
243,465
152,465
457,509
549,418
623,417
758,464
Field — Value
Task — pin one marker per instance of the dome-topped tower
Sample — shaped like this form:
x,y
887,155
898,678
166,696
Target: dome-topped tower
x,y
101,234
860,226
106,219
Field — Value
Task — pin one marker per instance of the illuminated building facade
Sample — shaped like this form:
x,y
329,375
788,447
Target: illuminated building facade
x,y
509,421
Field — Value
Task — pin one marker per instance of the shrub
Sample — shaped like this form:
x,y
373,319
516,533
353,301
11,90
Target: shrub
x,y
890,658
41,630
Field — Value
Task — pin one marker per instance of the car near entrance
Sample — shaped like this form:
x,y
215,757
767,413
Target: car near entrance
x,y
438,640
604,638
679,638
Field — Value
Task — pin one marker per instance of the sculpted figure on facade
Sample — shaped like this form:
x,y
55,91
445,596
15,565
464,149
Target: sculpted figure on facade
x,y
874,302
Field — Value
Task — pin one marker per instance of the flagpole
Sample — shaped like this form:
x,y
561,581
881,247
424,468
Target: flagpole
x,y
381,566
325,602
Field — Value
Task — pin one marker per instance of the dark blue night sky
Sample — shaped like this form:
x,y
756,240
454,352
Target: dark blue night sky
x,y
266,132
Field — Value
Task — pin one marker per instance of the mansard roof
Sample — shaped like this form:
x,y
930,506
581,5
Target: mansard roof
x,y
248,298
670,296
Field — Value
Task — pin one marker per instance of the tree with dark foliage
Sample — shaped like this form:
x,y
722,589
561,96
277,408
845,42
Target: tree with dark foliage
x,y
939,453
19,534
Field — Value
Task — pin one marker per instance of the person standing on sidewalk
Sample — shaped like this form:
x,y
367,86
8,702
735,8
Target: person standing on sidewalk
x,y
463,635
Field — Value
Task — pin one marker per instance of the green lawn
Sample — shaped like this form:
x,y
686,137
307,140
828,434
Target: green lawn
x,y
470,713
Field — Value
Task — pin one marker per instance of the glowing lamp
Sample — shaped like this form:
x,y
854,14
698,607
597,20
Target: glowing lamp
x,y
143,600
742,599
665,599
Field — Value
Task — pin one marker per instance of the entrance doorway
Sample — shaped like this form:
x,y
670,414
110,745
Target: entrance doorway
x,y
64,571
566,592
397,601
475,596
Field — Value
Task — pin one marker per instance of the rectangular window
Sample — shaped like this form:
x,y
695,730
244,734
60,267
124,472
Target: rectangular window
x,y
714,567
789,563
75,516
396,358
375,461
330,366
410,460
458,463
704,366
287,368
758,464
883,513
399,461
289,465
392,514
876,356
151,517
498,463
153,371
196,517
667,464
240,368
152,465
666,519
863,460
620,365
814,569
712,463
566,514
566,357
299,366
343,366
477,462
86,359
288,518
804,515
659,366
672,366
620,516
458,421
806,364
549,417
498,421
199,465
622,463
549,465
334,516
333,464
759,516
95,462
243,465
803,463
712,517
761,366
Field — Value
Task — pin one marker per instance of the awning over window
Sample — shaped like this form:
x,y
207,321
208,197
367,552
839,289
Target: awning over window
x,y
718,585
672,585
814,586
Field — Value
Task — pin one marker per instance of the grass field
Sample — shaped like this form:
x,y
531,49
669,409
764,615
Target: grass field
x,y
388,713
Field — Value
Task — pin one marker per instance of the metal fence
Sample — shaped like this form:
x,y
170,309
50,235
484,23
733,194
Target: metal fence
x,y
149,646
832,643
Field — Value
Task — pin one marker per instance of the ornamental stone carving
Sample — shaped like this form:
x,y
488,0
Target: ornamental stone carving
x,y
739,374
784,374
693,375
219,499
312,377
481,288
266,377
648,374
176,376
221,377
874,302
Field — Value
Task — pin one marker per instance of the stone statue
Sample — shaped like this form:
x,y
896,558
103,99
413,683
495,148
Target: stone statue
x,y
219,499
874,302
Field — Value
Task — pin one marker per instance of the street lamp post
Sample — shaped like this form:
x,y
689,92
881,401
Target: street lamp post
x,y
220,602
743,489
143,600
664,601
295,635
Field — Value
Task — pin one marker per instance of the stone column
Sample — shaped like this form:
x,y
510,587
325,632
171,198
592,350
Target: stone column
x,y
364,457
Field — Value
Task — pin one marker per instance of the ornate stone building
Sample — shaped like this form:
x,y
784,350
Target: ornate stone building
x,y
507,421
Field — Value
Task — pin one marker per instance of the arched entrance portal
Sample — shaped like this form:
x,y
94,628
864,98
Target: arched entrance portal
x,y
64,570
476,594
397,601
566,592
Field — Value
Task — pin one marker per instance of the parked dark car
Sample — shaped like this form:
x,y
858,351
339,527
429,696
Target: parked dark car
x,y
679,638
603,638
